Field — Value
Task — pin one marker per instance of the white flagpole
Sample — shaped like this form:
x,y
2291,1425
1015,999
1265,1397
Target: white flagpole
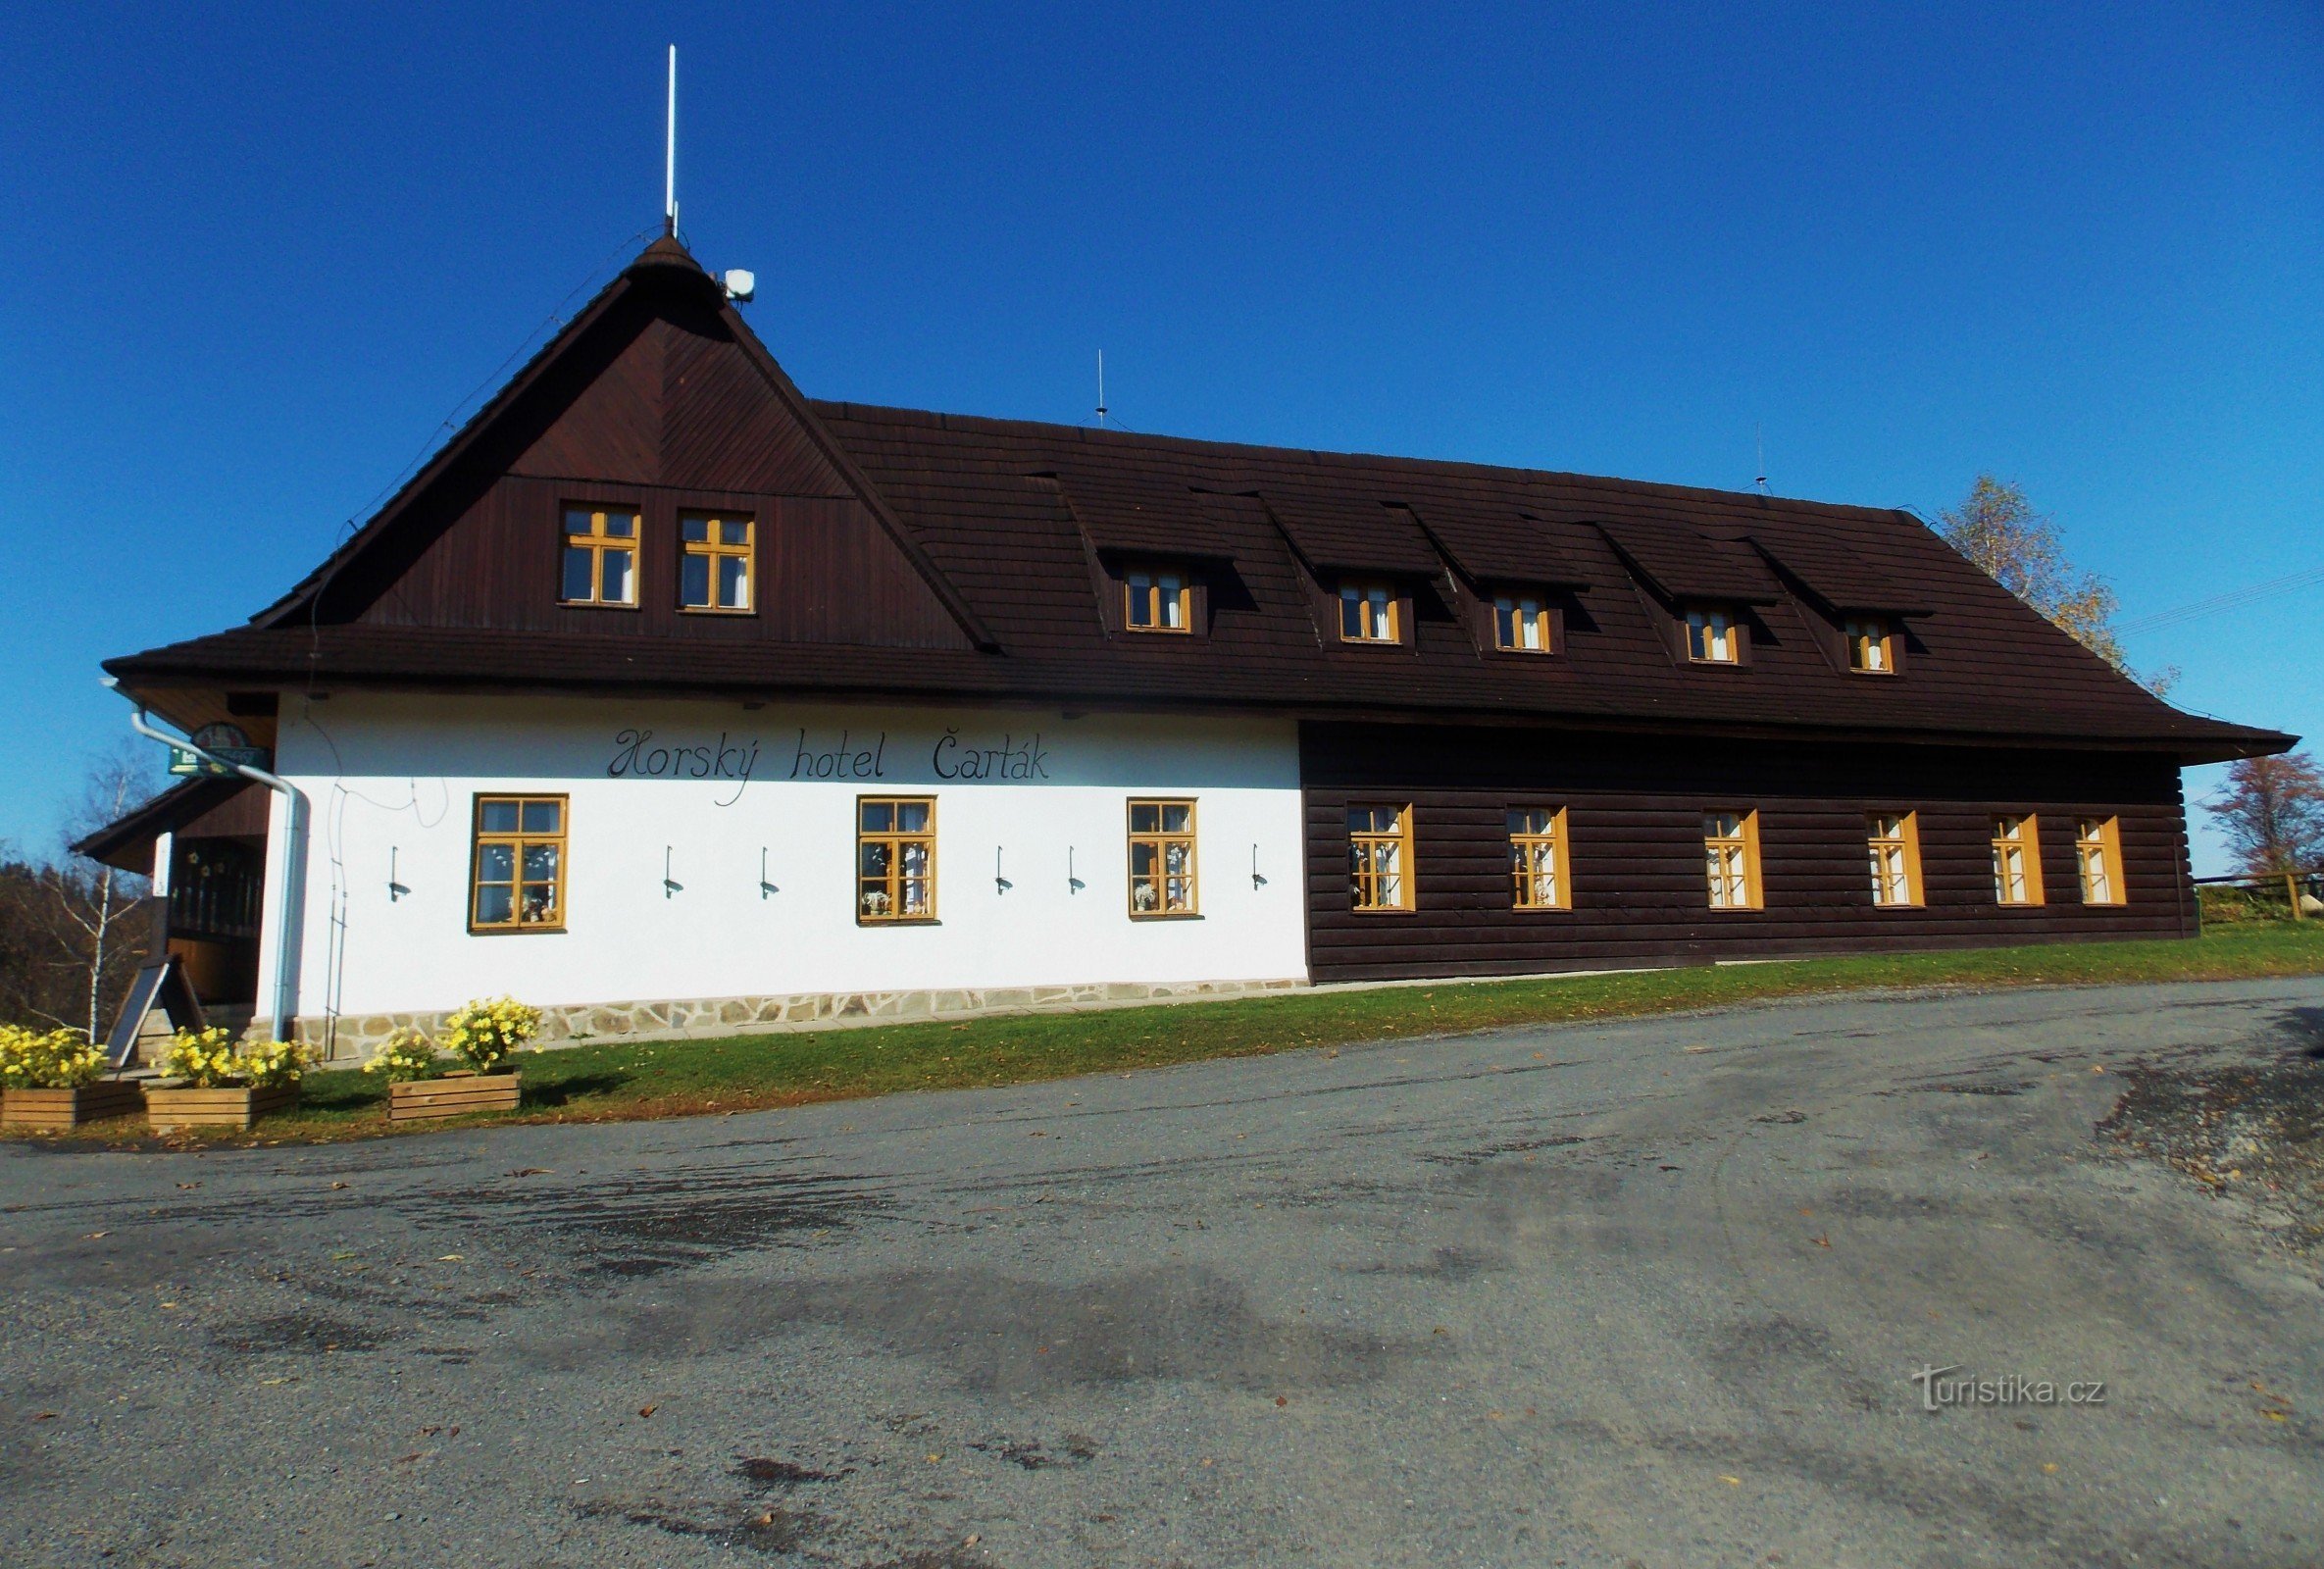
x,y
670,151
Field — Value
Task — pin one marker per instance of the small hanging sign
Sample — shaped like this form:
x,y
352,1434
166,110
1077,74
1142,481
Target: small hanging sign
x,y
225,741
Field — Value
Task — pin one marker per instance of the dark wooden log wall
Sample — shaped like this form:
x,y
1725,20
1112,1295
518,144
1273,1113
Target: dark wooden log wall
x,y
1634,807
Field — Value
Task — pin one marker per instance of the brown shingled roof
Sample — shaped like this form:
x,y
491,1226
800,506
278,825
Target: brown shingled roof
x,y
1002,518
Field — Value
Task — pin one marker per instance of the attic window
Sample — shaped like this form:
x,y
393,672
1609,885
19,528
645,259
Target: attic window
x,y
1712,637
1521,624
715,572
1871,651
600,557
1157,600
1369,613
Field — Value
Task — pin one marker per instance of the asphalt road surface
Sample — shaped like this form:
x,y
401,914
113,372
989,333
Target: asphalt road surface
x,y
1647,1294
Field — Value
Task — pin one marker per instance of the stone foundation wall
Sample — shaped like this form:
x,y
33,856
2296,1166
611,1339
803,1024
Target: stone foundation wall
x,y
358,1036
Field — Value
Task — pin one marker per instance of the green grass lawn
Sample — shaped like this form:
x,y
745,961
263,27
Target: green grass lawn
x,y
610,1081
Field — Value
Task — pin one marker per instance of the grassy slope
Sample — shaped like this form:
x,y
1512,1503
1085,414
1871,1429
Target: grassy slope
x,y
675,1078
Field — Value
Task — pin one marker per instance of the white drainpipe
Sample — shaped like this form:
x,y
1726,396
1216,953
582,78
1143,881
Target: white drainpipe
x,y
293,814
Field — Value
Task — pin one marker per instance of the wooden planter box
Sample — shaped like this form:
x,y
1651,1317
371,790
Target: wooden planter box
x,y
455,1094
67,1108
169,1110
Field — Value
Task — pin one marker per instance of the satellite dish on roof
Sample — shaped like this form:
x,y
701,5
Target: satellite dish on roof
x,y
742,285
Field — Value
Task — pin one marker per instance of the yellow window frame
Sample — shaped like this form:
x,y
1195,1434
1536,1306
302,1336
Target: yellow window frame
x,y
1152,834
2019,833
1513,613
1380,859
1147,590
1358,600
598,542
714,550
1894,857
2097,842
1714,634
520,842
1725,851
888,902
1537,850
1871,645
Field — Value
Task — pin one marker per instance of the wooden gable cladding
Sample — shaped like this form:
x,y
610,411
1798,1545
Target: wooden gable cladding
x,y
824,571
655,400
662,393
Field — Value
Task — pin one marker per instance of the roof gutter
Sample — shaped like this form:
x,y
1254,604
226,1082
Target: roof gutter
x,y
293,815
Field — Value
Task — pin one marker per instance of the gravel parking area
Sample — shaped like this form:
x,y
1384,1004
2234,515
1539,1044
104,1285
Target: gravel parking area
x,y
1646,1294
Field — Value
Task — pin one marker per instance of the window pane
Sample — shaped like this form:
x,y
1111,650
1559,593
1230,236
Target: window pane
x,y
693,531
734,531
911,817
1505,624
617,577
577,573
877,856
495,903
878,816
693,581
577,519
1173,604
542,817
1177,816
540,863
540,902
1351,614
498,816
496,863
733,582
622,524
1145,819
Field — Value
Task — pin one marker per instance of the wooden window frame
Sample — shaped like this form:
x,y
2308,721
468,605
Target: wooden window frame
x,y
519,840
1733,620
1359,873
1544,616
714,550
896,840
1362,591
2029,846
1746,839
1159,841
1907,842
2106,846
1869,632
1521,841
1153,593
597,542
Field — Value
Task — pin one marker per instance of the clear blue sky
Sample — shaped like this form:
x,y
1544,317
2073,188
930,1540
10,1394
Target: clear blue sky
x,y
257,257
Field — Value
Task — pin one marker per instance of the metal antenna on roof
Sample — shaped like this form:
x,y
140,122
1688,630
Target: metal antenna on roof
x,y
669,154
1101,387
1760,435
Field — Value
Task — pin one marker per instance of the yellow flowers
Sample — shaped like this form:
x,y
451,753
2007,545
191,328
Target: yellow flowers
x,y
484,1035
210,1060
404,1057
61,1059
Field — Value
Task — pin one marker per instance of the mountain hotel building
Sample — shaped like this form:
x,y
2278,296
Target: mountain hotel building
x,y
668,698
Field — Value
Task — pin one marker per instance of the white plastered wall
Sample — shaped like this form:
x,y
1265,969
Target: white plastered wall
x,y
391,780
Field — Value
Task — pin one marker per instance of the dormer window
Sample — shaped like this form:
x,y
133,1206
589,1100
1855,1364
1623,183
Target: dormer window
x,y
1157,600
600,556
1712,637
1521,624
1871,648
1370,613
